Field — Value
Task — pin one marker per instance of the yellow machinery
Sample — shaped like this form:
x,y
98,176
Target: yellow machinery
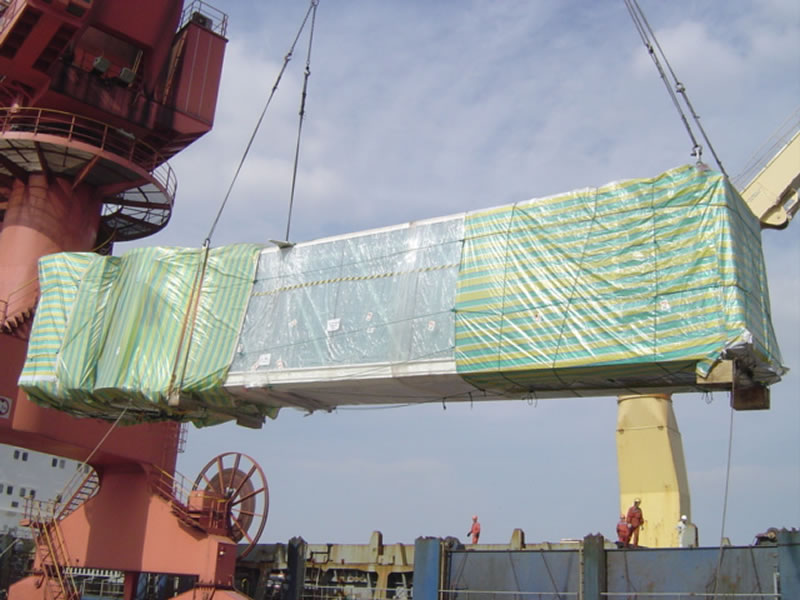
x,y
649,449
772,195
651,466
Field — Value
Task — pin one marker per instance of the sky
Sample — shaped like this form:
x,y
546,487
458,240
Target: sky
x,y
418,109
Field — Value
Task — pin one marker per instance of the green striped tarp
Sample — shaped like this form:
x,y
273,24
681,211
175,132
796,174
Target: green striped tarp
x,y
643,281
116,333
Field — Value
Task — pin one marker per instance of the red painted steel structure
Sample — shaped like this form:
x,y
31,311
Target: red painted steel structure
x,y
95,96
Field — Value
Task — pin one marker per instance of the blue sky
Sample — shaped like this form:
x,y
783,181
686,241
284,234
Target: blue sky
x,y
419,109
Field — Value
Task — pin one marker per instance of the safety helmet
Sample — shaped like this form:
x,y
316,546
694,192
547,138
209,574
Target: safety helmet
x,y
684,517
637,501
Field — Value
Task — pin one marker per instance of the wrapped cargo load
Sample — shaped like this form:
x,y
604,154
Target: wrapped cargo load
x,y
130,336
635,287
356,319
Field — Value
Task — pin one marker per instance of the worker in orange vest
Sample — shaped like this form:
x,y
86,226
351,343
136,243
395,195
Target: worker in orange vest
x,y
635,519
623,532
475,530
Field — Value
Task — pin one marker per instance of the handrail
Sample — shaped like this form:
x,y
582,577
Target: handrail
x,y
88,486
219,20
76,128
50,545
171,486
65,579
177,489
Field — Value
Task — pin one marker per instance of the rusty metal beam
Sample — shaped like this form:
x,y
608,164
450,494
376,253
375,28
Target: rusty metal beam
x,y
138,204
43,164
112,189
128,218
13,168
87,168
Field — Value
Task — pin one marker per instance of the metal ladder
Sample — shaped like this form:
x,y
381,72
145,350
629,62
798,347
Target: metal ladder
x,y
80,493
174,489
51,552
43,517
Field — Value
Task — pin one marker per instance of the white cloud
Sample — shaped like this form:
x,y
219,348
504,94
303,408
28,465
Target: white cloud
x,y
690,50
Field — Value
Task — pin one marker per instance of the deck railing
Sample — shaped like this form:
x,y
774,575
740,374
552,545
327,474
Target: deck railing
x,y
213,18
75,128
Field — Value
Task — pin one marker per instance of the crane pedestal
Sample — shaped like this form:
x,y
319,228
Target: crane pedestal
x,y
651,466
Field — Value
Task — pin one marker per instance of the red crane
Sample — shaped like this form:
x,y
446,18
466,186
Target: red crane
x,y
95,97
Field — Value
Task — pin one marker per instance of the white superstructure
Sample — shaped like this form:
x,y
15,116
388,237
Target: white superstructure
x,y
25,473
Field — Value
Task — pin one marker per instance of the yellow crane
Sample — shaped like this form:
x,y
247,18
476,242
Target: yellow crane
x,y
650,456
772,194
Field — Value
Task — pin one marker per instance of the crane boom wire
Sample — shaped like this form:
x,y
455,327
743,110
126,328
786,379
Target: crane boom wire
x,y
768,150
651,43
286,59
302,113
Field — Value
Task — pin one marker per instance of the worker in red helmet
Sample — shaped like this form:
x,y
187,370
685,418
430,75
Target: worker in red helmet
x,y
475,530
635,518
623,532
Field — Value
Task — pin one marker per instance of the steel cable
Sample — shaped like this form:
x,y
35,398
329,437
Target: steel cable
x,y
307,74
727,485
646,34
286,59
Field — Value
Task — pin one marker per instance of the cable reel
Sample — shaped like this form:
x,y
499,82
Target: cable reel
x,y
235,498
